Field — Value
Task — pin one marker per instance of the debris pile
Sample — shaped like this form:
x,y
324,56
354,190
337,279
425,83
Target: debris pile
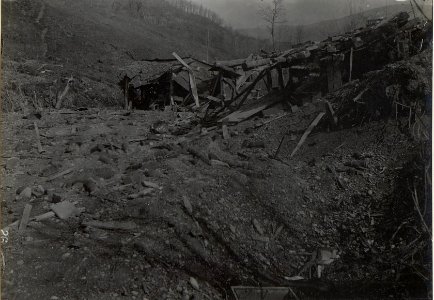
x,y
400,89
231,91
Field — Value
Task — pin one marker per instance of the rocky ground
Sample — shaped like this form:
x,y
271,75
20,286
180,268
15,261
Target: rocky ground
x,y
165,209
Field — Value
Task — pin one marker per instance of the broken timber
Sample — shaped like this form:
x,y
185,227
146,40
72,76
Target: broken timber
x,y
38,138
193,86
307,132
248,111
25,219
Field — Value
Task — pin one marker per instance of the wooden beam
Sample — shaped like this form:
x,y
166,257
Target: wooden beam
x,y
269,80
193,87
172,103
256,63
38,138
25,219
247,91
230,63
65,91
351,64
126,93
281,80
307,132
182,61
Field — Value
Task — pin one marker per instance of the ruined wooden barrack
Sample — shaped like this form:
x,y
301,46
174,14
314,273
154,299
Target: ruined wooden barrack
x,y
229,91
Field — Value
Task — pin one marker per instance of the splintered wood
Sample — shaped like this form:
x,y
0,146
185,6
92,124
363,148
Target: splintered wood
x,y
25,219
307,132
38,138
193,86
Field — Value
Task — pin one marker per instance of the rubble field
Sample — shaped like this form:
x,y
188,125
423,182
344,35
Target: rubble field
x,y
151,205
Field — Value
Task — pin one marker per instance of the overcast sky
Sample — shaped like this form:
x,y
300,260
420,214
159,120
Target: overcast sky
x,y
244,13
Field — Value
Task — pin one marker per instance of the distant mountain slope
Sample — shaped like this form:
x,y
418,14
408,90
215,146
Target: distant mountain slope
x,y
287,35
93,38
82,25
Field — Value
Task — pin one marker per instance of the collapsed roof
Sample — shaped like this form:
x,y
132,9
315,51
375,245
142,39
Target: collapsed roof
x,y
302,73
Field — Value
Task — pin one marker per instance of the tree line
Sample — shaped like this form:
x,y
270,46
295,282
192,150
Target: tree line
x,y
142,8
193,8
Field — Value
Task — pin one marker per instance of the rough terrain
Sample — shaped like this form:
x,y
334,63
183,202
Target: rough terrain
x,y
244,218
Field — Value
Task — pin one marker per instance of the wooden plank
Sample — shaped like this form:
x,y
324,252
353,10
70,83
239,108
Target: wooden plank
x,y
216,100
225,131
281,77
126,93
45,216
193,88
25,219
182,61
307,132
63,94
256,63
172,102
241,80
247,90
230,63
111,225
63,173
269,81
351,64
248,111
42,217
38,138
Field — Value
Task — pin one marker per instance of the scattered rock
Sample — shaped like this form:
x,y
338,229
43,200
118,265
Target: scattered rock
x,y
64,210
142,193
12,163
105,173
215,162
258,227
194,283
104,158
97,148
150,184
160,127
53,197
26,193
90,186
253,144
38,191
187,205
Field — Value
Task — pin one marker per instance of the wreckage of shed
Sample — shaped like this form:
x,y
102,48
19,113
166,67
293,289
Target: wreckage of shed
x,y
230,91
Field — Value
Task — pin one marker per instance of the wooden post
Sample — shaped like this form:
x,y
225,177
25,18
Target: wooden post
x,y
269,80
223,88
193,87
38,139
216,85
281,80
25,219
65,91
172,103
126,92
351,64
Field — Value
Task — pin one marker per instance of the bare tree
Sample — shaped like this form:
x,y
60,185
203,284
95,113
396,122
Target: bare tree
x,y
273,14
